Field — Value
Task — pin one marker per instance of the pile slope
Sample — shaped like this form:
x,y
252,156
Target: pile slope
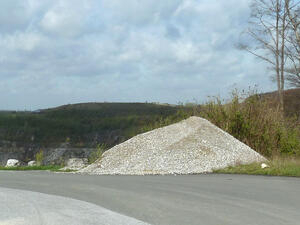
x,y
191,146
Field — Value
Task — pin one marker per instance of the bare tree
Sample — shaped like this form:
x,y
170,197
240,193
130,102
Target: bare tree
x,y
267,30
293,42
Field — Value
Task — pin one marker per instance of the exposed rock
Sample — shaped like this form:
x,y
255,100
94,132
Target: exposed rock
x,y
191,146
10,150
263,166
62,154
51,155
76,164
13,163
32,163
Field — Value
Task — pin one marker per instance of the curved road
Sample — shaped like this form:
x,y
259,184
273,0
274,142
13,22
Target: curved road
x,y
211,199
20,207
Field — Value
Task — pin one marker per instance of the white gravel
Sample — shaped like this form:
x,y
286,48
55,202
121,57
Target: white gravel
x,y
191,146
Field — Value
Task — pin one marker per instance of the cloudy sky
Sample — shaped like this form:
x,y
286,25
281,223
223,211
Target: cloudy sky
x,y
55,52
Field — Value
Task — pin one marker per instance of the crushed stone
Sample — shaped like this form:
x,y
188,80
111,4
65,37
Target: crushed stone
x,y
191,146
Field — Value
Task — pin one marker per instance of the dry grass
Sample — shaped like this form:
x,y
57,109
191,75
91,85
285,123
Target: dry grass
x,y
254,121
291,101
277,167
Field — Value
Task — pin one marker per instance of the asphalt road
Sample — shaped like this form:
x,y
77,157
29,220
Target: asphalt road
x,y
20,207
212,199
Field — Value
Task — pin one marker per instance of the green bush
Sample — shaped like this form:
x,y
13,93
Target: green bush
x,y
97,154
39,157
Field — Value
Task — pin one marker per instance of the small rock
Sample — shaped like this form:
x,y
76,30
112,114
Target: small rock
x,y
32,163
13,163
263,166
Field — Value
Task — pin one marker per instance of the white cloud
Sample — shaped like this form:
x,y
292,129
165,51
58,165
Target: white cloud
x,y
66,18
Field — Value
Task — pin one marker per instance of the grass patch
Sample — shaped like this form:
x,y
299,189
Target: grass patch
x,y
23,168
278,167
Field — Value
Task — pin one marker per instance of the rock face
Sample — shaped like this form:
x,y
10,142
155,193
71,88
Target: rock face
x,y
13,163
191,146
10,150
76,164
63,153
52,155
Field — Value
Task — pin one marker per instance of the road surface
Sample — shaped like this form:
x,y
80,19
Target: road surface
x,y
35,208
212,199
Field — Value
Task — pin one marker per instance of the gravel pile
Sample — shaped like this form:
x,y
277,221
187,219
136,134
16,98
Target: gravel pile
x,y
191,146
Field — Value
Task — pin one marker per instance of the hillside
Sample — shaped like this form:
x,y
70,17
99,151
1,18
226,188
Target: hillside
x,y
83,125
75,130
86,124
291,100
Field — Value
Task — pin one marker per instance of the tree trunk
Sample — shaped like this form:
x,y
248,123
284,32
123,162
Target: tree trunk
x,y
283,32
277,55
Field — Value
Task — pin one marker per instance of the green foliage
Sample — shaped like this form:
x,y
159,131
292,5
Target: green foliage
x,y
253,121
39,157
97,154
67,140
289,142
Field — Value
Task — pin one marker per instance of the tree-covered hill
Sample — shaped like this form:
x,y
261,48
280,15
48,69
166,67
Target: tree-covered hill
x,y
85,124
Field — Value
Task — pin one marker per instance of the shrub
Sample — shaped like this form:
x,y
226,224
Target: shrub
x,y
255,122
97,154
39,157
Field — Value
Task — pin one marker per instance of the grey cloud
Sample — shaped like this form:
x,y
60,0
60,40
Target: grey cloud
x,y
13,15
140,13
172,32
58,52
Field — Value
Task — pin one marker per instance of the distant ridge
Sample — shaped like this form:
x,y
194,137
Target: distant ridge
x,y
83,124
291,100
101,105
